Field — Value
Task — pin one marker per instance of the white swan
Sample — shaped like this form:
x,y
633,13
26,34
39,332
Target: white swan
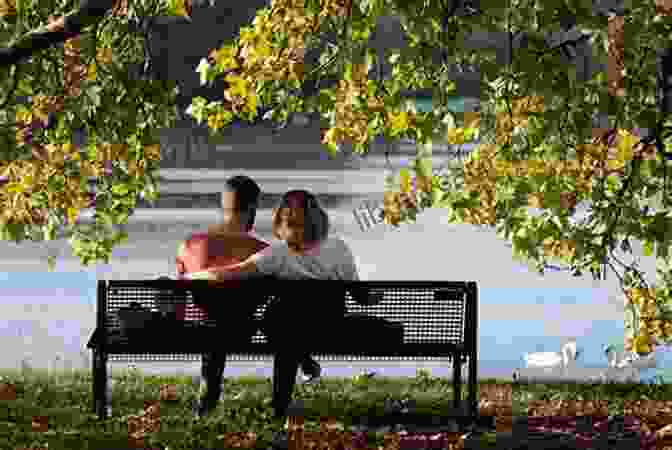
x,y
622,360
565,358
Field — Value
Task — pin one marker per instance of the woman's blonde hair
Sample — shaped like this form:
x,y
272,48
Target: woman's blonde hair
x,y
316,224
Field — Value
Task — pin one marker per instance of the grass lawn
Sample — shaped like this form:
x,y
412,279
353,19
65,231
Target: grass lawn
x,y
54,412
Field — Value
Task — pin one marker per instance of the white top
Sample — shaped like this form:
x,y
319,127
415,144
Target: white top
x,y
331,260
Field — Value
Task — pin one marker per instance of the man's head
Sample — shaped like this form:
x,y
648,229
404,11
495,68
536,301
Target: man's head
x,y
239,203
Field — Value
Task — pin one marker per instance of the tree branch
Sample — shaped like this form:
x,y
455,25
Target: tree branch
x,y
15,83
64,28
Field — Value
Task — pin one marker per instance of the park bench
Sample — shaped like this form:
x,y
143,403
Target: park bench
x,y
439,320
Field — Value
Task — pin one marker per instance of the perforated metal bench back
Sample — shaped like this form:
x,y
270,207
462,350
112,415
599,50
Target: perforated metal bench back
x,y
431,312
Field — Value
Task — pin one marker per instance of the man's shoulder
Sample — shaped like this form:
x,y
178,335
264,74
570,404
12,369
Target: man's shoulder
x,y
194,239
201,239
232,238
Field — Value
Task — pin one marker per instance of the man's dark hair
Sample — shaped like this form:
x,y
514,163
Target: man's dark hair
x,y
247,197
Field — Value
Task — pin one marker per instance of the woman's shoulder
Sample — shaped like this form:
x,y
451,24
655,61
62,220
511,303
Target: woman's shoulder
x,y
336,240
334,244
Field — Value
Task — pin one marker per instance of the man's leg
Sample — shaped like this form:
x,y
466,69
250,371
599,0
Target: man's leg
x,y
213,363
212,372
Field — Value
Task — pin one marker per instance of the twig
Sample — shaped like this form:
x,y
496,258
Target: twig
x,y
15,82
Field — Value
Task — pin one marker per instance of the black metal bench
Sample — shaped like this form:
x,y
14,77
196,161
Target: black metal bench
x,y
439,321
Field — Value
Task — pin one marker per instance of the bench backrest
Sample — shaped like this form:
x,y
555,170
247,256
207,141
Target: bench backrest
x,y
431,311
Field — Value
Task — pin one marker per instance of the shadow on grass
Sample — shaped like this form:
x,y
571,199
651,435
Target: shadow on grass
x,y
65,401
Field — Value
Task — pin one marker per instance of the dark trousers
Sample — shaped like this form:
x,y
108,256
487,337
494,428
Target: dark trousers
x,y
239,323
233,311
285,367
288,332
294,336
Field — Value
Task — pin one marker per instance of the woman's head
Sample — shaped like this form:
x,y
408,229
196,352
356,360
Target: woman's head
x,y
300,220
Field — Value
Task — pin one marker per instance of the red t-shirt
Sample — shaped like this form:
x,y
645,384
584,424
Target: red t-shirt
x,y
205,250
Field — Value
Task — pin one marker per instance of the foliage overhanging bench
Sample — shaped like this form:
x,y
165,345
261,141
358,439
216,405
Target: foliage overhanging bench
x,y
439,320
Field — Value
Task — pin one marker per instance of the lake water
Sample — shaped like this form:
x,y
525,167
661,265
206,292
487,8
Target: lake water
x,y
50,315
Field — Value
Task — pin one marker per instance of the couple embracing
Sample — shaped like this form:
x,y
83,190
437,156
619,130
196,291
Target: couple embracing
x,y
302,249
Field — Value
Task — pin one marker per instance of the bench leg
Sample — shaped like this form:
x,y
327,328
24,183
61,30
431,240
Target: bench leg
x,y
473,386
94,377
100,384
457,382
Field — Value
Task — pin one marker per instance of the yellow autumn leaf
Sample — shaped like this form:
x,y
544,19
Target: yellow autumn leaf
x,y
68,148
89,169
92,72
536,167
502,167
260,21
225,58
615,164
625,145
15,188
28,181
73,213
238,85
179,8
247,35
7,8
263,50
399,122
24,116
104,55
331,136
296,71
642,344
471,119
153,152
455,136
405,176
251,104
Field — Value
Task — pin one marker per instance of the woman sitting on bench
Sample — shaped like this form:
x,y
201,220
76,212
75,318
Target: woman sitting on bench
x,y
304,251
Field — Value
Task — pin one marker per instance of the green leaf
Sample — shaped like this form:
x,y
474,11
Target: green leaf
x,y
332,149
120,189
648,248
56,183
197,109
470,133
348,72
120,237
203,71
93,92
49,232
24,86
